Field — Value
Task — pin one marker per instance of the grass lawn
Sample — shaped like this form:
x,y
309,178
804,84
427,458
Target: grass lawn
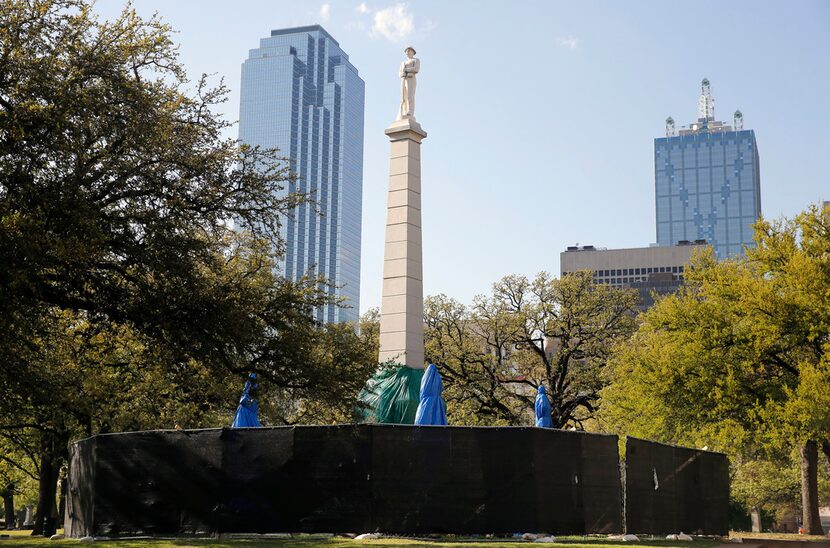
x,y
779,536
21,539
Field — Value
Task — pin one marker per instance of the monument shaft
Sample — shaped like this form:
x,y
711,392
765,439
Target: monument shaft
x,y
402,307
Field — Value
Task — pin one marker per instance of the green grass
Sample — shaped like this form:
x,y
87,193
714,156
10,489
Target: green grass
x,y
778,536
21,539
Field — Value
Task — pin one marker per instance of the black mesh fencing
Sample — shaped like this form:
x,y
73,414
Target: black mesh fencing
x,y
670,489
388,478
601,485
157,482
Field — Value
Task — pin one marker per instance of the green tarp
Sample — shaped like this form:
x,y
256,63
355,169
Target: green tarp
x,y
391,396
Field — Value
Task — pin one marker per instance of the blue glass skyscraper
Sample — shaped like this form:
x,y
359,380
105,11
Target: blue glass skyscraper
x,y
301,94
707,182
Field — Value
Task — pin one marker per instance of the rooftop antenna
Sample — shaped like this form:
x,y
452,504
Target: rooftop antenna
x,y
671,131
706,103
738,120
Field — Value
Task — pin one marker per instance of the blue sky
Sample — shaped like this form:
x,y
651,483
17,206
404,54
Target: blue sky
x,y
541,115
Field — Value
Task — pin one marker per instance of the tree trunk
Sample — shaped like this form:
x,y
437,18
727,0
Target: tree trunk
x,y
8,503
48,485
755,515
62,502
809,489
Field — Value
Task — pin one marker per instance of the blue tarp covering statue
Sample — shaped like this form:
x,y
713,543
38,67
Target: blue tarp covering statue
x,y
431,409
543,409
246,413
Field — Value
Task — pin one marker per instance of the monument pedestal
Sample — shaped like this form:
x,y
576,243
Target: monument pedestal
x,y
402,306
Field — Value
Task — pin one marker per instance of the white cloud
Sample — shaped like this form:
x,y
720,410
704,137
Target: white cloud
x,y
325,12
568,42
362,8
393,23
355,25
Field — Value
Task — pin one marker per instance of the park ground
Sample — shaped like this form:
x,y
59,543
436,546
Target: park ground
x,y
22,539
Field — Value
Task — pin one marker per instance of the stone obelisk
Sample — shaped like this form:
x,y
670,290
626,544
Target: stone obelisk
x,y
402,307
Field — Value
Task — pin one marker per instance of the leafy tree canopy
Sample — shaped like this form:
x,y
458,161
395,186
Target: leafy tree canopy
x,y
739,360
496,353
116,186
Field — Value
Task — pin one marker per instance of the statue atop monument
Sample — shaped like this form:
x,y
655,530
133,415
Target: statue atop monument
x,y
408,73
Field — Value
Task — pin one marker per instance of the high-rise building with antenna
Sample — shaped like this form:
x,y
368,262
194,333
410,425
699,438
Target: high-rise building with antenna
x,y
707,181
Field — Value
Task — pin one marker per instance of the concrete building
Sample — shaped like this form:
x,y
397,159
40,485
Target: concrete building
x,y
647,269
707,181
301,94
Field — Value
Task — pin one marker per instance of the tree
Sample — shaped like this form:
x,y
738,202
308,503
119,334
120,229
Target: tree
x,y
345,359
18,471
117,193
546,331
369,328
471,353
739,358
117,186
771,488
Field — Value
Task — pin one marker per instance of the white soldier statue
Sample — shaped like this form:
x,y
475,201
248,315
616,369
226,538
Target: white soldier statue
x,y
408,73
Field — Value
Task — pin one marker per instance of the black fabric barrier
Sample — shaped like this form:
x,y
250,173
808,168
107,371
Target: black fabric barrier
x,y
669,489
157,482
349,478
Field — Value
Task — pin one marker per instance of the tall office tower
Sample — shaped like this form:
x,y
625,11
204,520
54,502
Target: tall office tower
x,y
707,181
301,94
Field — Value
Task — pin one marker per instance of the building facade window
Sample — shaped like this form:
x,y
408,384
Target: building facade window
x,y
707,186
